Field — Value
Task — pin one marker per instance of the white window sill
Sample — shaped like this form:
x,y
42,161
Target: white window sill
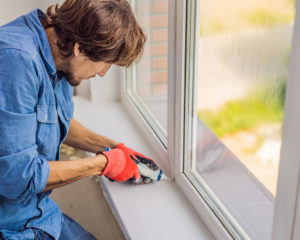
x,y
155,211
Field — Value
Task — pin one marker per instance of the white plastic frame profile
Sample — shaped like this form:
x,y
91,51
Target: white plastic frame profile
x,y
175,140
286,221
176,112
144,118
145,127
176,73
229,226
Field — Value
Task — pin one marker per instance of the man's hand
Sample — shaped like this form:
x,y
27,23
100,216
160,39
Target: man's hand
x,y
137,157
140,160
120,166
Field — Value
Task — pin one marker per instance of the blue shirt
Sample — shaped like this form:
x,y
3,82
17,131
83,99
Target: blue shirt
x,y
35,112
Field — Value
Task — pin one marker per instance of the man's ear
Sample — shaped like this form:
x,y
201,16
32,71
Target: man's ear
x,y
76,50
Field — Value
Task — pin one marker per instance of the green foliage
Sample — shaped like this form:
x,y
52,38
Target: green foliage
x,y
260,107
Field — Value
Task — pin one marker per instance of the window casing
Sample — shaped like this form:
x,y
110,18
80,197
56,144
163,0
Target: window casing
x,y
220,222
147,80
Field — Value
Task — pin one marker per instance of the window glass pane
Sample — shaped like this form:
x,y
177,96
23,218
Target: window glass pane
x,y
241,73
150,81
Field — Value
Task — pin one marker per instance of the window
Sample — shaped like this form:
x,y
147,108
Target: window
x,y
230,115
147,82
237,67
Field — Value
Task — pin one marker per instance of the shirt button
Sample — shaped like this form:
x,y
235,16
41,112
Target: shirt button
x,y
46,116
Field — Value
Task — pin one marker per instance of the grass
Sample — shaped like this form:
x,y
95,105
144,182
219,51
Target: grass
x,y
265,106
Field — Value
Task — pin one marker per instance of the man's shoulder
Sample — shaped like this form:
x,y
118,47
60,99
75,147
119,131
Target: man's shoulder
x,y
18,36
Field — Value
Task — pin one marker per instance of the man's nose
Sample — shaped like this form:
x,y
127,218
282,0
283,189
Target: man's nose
x,y
104,70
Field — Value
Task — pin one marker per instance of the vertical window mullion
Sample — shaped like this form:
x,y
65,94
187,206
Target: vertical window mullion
x,y
176,76
227,224
287,214
207,185
145,93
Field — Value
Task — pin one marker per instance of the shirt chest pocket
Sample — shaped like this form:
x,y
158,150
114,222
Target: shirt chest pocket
x,y
67,110
47,129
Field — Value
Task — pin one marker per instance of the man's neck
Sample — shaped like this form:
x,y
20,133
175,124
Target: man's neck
x,y
52,38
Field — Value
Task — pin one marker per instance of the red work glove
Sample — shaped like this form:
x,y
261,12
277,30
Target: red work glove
x,y
120,166
138,158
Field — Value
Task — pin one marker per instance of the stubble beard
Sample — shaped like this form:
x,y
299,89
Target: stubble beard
x,y
68,72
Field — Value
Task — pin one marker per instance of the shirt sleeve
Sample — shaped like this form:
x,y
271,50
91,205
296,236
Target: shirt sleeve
x,y
22,172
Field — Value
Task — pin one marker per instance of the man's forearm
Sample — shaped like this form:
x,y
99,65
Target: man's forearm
x,y
65,172
87,140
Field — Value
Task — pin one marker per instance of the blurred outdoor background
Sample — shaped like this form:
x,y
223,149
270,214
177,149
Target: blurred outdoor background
x,y
244,53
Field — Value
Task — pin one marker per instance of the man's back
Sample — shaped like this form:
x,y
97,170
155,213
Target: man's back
x,y
17,35
33,105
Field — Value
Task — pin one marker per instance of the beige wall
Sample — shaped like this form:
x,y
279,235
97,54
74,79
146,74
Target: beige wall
x,y
9,10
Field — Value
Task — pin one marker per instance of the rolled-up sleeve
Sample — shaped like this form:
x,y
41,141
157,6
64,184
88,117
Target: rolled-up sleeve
x,y
22,172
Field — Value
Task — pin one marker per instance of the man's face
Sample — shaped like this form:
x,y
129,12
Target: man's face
x,y
80,67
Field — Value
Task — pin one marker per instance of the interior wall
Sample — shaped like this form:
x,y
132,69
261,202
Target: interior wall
x,y
10,10
107,87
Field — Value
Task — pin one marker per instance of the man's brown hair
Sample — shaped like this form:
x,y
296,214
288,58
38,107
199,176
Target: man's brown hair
x,y
106,30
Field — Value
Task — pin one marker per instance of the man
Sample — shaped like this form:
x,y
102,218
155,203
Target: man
x,y
42,56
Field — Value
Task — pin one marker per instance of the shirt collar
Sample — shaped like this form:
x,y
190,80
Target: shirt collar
x,y
33,20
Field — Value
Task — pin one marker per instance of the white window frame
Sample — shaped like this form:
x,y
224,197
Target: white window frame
x,y
136,99
145,120
286,221
287,209
144,110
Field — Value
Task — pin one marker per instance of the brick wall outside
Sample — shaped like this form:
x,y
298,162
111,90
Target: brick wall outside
x,y
152,69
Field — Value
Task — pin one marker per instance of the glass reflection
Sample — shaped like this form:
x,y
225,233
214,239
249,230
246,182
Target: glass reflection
x,y
152,69
243,64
